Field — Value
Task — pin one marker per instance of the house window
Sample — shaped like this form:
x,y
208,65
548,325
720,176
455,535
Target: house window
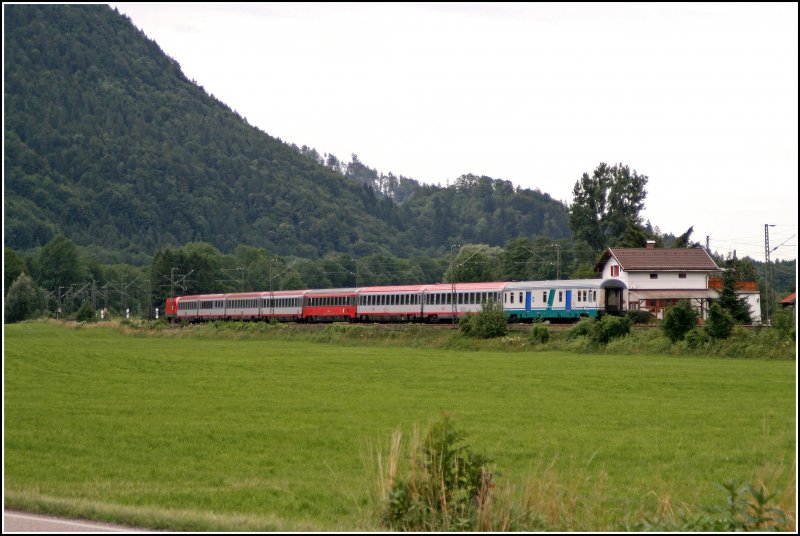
x,y
615,271
653,276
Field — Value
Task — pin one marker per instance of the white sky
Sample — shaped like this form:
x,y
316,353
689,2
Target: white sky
x,y
701,98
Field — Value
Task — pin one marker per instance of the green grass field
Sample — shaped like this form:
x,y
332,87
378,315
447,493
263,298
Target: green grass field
x,y
263,434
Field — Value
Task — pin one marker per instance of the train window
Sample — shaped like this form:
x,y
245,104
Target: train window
x,y
653,276
681,276
560,296
544,296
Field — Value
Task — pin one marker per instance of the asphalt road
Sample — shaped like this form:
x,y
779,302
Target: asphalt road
x,y
24,522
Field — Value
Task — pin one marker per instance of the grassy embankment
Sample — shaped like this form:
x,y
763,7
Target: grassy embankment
x,y
201,430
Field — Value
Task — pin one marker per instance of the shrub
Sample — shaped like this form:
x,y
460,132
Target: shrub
x,y
640,317
445,487
608,328
678,320
719,324
697,338
783,324
85,313
489,323
539,333
745,509
582,329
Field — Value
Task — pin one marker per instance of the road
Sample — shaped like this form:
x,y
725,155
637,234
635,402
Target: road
x,y
24,522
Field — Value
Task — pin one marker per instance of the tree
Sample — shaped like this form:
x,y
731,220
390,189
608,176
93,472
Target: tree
x,y
684,240
719,324
59,264
22,300
13,266
679,320
737,307
607,205
475,262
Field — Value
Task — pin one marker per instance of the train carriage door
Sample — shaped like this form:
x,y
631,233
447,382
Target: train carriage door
x,y
569,300
528,301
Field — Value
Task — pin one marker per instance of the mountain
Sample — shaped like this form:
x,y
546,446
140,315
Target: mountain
x,y
108,143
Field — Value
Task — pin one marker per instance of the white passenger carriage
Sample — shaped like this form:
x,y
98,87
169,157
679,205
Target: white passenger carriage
x,y
283,305
390,303
201,307
446,300
560,299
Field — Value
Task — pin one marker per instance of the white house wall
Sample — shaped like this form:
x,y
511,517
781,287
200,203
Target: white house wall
x,y
667,281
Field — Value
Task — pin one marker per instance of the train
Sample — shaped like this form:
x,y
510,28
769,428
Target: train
x,y
521,301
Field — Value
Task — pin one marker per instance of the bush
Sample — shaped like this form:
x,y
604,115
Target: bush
x,y
697,338
745,509
640,317
489,323
445,487
783,324
539,333
582,329
720,322
85,313
608,328
678,320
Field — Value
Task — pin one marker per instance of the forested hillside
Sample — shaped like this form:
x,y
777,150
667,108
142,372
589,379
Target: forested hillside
x,y
109,144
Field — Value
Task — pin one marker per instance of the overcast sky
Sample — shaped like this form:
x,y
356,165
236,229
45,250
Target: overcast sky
x,y
701,98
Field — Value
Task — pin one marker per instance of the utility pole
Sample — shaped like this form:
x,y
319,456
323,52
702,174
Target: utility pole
x,y
271,300
766,273
453,281
558,260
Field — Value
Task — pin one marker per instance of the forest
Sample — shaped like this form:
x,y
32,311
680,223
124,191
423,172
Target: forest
x,y
109,144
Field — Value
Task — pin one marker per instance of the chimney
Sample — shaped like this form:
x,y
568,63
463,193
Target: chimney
x,y
651,244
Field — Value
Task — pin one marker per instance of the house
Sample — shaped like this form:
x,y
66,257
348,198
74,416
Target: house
x,y
654,279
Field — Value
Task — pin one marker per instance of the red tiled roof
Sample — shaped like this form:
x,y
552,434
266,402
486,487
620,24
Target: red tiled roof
x,y
790,299
646,259
716,284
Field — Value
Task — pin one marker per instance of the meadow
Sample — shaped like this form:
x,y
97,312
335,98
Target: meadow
x,y
202,432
